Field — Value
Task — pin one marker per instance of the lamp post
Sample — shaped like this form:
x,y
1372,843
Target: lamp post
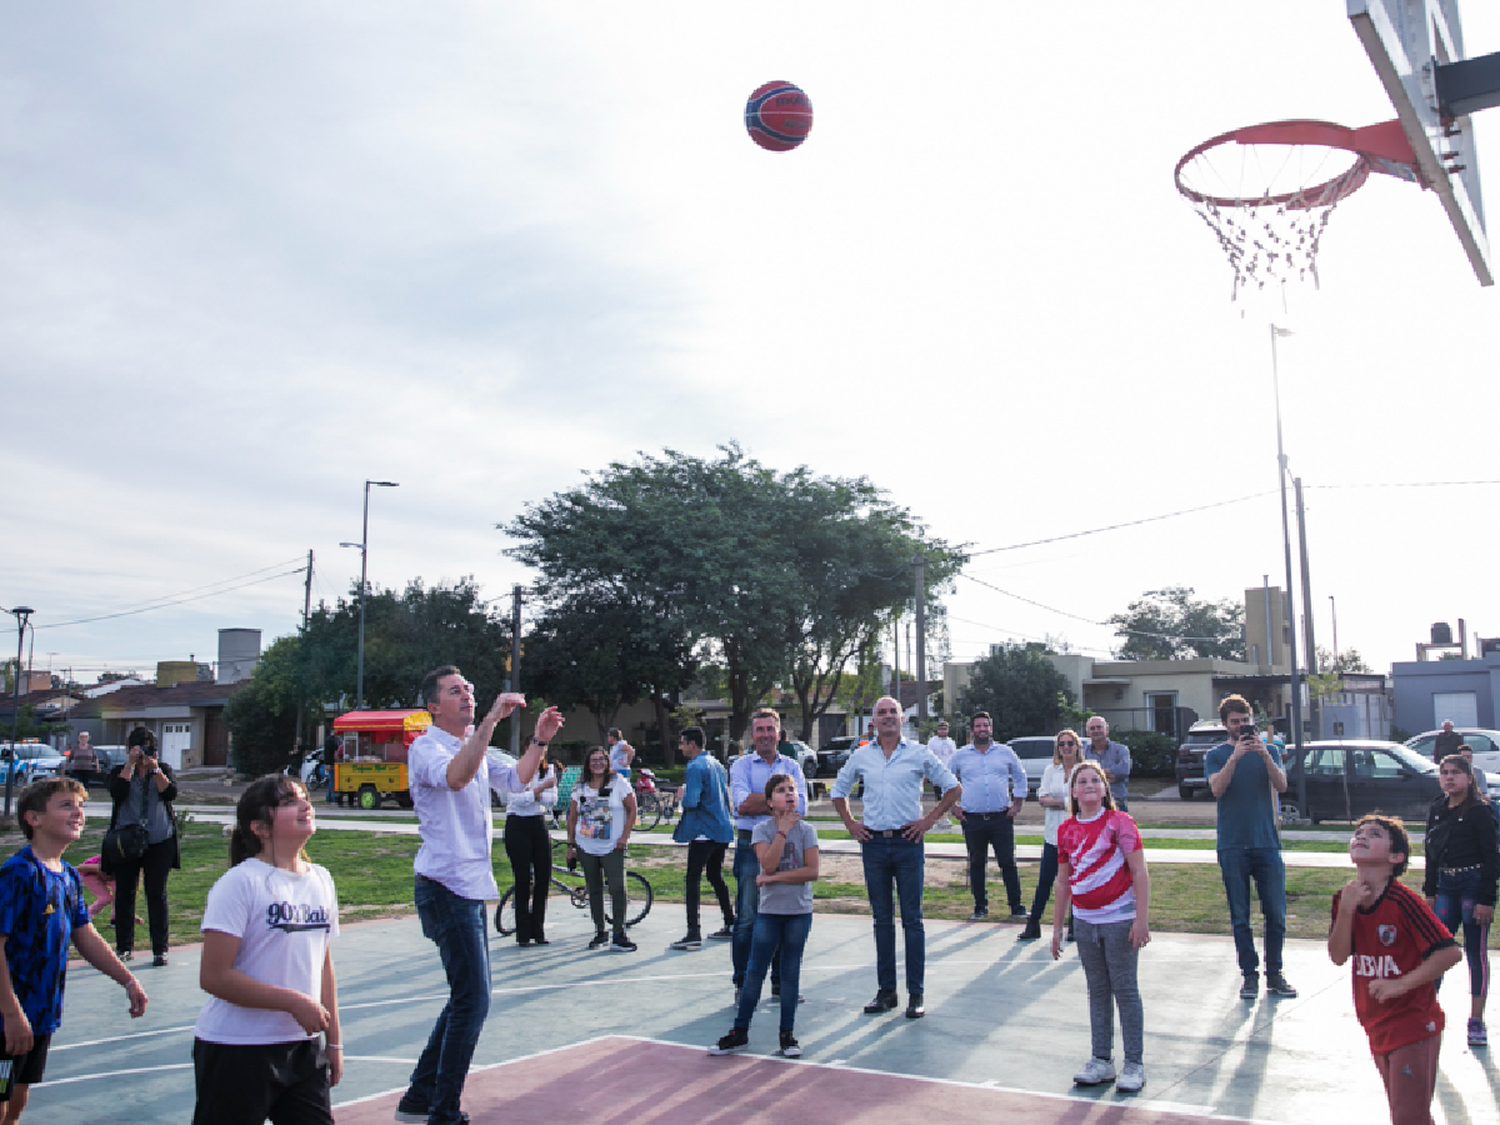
x,y
1333,608
364,570
21,613
1286,542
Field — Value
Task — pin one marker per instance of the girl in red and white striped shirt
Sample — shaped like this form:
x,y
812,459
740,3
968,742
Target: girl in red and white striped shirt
x,y
1102,877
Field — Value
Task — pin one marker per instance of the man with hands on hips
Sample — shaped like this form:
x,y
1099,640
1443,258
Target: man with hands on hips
x,y
890,835
451,769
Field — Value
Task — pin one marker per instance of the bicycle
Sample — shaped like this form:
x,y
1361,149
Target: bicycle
x,y
654,803
638,894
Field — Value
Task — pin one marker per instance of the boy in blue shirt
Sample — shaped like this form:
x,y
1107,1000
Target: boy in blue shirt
x,y
41,911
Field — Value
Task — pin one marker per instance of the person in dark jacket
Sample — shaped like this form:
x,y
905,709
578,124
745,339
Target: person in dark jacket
x,y
1463,870
143,790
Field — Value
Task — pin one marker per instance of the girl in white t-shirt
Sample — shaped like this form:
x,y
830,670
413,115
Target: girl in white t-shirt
x,y
601,813
268,969
1053,795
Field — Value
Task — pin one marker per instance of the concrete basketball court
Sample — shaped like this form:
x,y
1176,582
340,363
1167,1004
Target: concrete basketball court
x,y
622,1036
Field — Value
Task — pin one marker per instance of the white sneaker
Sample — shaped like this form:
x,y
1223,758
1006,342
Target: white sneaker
x,y
1094,1072
1132,1078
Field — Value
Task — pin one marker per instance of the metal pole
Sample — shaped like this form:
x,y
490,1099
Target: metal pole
x,y
920,562
21,613
1315,707
515,668
1265,586
1333,607
364,555
1286,542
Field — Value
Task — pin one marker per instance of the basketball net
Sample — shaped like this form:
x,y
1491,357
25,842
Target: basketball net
x,y
1270,215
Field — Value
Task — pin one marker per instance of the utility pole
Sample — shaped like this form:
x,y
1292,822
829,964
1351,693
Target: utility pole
x,y
513,681
306,612
1314,706
920,565
1286,543
22,614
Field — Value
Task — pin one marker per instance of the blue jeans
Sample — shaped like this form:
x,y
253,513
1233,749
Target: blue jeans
x,y
746,903
984,832
457,926
1045,877
1457,896
1239,866
896,860
788,932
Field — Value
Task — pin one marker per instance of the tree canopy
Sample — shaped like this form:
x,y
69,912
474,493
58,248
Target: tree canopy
x,y
777,577
1170,624
1021,689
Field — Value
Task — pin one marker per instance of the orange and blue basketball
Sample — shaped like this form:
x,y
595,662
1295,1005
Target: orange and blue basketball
x,y
778,116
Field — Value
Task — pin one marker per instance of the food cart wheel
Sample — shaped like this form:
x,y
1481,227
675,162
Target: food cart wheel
x,y
369,797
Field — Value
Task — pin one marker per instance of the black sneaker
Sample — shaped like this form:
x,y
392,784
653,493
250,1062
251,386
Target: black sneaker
x,y
601,941
789,1047
1276,985
1250,989
738,1037
726,934
885,1000
161,959
411,1111
622,944
124,954
692,941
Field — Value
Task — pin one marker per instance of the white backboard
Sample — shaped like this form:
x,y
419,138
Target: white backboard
x,y
1406,40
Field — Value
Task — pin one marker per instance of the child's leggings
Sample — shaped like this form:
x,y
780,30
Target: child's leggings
x,y
1109,967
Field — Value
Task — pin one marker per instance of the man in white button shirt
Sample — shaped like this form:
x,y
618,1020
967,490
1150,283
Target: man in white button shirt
x,y
451,770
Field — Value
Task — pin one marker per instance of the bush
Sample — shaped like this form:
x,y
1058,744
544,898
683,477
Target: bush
x,y
261,736
1151,754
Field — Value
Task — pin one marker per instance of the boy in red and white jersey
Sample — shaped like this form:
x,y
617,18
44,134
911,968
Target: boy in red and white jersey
x,y
1399,949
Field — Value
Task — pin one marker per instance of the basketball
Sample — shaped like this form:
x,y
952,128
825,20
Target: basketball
x,y
778,116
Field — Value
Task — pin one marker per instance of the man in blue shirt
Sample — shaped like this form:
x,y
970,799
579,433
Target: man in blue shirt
x,y
891,831
747,797
1113,758
994,789
706,829
1246,777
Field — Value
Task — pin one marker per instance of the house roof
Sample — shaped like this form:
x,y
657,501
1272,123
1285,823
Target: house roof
x,y
132,700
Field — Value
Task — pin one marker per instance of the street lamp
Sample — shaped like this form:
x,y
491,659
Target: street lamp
x,y
359,704
21,614
1333,607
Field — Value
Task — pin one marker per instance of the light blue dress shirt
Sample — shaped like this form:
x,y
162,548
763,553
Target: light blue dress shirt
x,y
750,773
991,779
893,786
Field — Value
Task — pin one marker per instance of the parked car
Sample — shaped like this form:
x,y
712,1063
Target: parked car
x,y
830,757
1345,780
806,757
1484,743
1201,738
1035,752
33,760
111,758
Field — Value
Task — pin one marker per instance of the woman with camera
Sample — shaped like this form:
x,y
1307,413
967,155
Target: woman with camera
x,y
142,791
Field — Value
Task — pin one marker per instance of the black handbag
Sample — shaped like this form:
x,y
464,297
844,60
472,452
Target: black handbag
x,y
124,844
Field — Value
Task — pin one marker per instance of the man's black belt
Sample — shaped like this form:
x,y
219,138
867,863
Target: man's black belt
x,y
889,833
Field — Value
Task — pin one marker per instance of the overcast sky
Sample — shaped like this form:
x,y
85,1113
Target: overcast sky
x,y
256,253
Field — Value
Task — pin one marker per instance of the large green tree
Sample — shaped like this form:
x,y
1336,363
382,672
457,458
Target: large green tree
x,y
407,634
1020,688
1170,624
780,575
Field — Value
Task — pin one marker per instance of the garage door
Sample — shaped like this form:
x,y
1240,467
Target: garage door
x,y
1460,706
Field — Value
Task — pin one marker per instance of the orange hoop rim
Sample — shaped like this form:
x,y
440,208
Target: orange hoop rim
x,y
1379,148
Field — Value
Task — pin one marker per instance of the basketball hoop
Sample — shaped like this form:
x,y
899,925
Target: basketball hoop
x,y
1269,218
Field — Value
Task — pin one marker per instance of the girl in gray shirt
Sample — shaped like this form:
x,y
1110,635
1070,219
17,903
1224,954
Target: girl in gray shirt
x,y
787,848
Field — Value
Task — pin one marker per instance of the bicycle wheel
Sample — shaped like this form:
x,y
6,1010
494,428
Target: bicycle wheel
x,y
505,913
638,899
647,811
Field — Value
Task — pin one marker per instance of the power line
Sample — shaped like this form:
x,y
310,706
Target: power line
x,y
1089,620
1407,484
1119,526
178,600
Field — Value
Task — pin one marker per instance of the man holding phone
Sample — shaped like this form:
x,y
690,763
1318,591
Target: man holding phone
x,y
1247,778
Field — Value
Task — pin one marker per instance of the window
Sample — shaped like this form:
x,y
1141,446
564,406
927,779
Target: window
x,y
1327,762
1163,708
1383,766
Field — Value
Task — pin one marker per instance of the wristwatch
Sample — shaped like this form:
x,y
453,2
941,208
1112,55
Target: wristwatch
x,y
538,742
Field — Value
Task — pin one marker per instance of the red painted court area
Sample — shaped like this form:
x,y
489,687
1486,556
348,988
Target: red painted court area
x,y
620,1079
